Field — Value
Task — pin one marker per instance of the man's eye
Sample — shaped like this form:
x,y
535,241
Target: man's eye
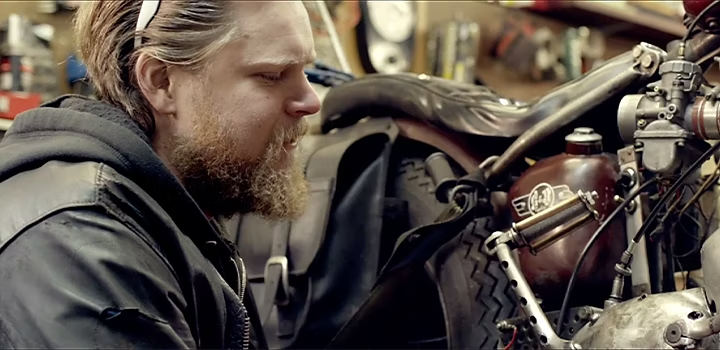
x,y
271,77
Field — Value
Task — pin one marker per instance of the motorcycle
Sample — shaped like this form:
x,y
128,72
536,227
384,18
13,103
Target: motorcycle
x,y
514,218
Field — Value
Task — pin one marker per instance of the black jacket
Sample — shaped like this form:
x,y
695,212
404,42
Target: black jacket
x,y
101,247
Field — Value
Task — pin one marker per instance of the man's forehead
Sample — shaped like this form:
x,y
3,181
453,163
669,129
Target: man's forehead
x,y
254,17
278,35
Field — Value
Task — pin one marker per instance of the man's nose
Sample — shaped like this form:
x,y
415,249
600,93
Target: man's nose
x,y
307,104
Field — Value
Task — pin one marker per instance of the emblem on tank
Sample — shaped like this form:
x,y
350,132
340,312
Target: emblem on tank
x,y
541,197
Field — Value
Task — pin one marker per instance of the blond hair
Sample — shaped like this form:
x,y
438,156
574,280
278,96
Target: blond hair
x,y
184,33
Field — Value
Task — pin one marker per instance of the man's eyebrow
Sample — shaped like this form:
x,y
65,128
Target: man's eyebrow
x,y
283,61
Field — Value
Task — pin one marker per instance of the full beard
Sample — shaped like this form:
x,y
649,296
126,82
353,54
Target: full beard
x,y
224,181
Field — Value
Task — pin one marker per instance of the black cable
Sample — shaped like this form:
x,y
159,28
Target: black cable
x,y
697,239
669,272
695,21
671,191
706,185
590,243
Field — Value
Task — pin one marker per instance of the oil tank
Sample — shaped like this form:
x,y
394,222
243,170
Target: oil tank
x,y
584,166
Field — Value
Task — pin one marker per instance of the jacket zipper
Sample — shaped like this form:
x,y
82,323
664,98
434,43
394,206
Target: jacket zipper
x,y
242,280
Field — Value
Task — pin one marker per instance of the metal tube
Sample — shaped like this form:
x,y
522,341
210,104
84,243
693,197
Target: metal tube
x,y
547,214
560,232
701,48
334,39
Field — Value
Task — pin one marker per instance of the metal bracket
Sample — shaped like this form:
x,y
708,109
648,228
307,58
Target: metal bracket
x,y
578,318
282,298
689,333
633,220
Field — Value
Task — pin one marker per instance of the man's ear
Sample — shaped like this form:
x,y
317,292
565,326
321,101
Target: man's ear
x,y
153,79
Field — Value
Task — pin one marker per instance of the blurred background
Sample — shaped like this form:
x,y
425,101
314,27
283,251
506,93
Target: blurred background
x,y
521,49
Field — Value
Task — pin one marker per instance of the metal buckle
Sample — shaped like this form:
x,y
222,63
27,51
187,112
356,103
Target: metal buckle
x,y
284,278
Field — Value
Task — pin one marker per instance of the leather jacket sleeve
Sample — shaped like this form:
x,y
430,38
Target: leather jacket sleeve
x,y
82,279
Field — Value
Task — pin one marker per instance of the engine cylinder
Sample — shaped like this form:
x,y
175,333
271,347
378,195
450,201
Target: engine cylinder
x,y
704,119
583,167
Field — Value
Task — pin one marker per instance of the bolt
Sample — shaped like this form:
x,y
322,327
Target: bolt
x,y
646,61
575,346
641,123
673,333
628,177
631,207
584,313
618,199
504,326
637,51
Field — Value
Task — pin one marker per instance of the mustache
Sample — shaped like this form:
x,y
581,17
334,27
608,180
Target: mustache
x,y
291,133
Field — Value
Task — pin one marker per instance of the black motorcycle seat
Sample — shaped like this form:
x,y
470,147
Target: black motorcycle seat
x,y
462,107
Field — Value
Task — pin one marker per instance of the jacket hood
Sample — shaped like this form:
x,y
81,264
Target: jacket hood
x,y
78,129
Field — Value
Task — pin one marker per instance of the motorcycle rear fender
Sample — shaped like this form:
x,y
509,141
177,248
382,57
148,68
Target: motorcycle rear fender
x,y
455,145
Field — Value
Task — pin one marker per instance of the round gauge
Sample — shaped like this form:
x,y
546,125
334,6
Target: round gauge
x,y
393,20
388,58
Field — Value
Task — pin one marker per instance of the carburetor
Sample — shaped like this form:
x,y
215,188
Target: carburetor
x,y
670,114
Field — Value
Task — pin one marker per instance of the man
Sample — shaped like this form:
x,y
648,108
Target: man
x,y
106,239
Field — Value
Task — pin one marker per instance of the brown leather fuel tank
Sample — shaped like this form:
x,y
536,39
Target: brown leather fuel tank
x,y
584,167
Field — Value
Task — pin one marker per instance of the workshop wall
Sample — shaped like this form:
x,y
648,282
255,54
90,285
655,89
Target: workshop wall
x,y
495,74
491,18
63,43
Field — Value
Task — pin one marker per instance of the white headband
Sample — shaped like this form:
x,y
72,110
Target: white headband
x,y
148,10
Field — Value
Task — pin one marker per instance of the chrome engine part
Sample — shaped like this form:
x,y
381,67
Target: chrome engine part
x,y
642,322
675,110
661,120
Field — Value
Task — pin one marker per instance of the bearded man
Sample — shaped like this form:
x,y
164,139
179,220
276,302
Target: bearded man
x,y
106,236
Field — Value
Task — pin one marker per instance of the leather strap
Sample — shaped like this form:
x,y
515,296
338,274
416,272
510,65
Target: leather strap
x,y
277,284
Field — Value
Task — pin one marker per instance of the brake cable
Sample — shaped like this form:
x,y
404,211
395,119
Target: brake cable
x,y
588,246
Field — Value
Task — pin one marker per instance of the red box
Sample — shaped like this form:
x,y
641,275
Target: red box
x,y
14,103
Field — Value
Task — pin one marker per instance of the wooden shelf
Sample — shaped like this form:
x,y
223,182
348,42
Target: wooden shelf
x,y
639,23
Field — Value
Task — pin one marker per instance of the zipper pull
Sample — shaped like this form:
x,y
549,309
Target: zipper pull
x,y
241,278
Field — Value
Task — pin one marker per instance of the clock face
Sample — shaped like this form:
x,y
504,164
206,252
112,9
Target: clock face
x,y
388,58
393,20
